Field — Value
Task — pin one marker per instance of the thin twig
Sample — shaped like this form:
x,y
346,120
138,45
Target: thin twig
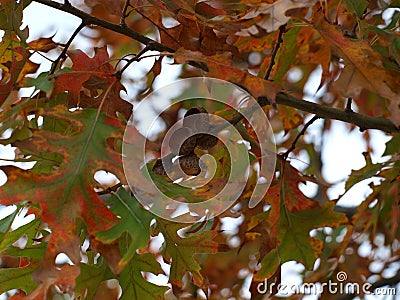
x,y
279,41
123,58
348,105
91,20
293,145
110,189
66,46
124,14
148,47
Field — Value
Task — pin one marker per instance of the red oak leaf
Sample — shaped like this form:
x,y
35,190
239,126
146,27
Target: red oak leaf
x,y
89,78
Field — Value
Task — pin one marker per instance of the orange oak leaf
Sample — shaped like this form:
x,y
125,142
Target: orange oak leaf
x,y
290,117
288,193
295,200
14,65
67,194
63,278
42,44
220,66
113,7
88,79
283,197
288,224
364,68
93,95
82,69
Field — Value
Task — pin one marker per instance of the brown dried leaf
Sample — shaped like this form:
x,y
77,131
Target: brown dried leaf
x,y
220,66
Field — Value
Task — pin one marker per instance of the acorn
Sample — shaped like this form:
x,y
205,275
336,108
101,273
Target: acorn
x,y
206,141
162,166
190,164
189,141
199,123
158,168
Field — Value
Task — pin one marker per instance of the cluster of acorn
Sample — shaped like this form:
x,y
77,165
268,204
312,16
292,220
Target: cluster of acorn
x,y
184,140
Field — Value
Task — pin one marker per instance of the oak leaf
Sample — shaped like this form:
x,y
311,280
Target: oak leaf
x,y
133,285
89,76
135,220
293,238
113,7
67,194
220,66
181,251
363,68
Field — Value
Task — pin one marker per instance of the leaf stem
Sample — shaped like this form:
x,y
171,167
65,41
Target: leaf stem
x,y
348,105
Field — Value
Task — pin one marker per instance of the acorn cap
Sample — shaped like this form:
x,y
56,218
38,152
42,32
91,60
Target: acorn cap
x,y
197,123
182,142
206,141
158,168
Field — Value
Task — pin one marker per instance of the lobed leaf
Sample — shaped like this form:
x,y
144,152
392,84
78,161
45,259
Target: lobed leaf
x,y
133,285
182,250
294,241
135,221
220,66
66,195
364,69
368,171
93,74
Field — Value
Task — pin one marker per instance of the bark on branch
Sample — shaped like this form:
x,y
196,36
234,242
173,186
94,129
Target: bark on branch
x,y
326,112
364,122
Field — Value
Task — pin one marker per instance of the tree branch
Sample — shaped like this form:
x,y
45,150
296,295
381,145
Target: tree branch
x,y
124,13
325,112
90,20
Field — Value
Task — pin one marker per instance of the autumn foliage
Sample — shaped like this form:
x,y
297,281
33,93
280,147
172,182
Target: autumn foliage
x,y
71,125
